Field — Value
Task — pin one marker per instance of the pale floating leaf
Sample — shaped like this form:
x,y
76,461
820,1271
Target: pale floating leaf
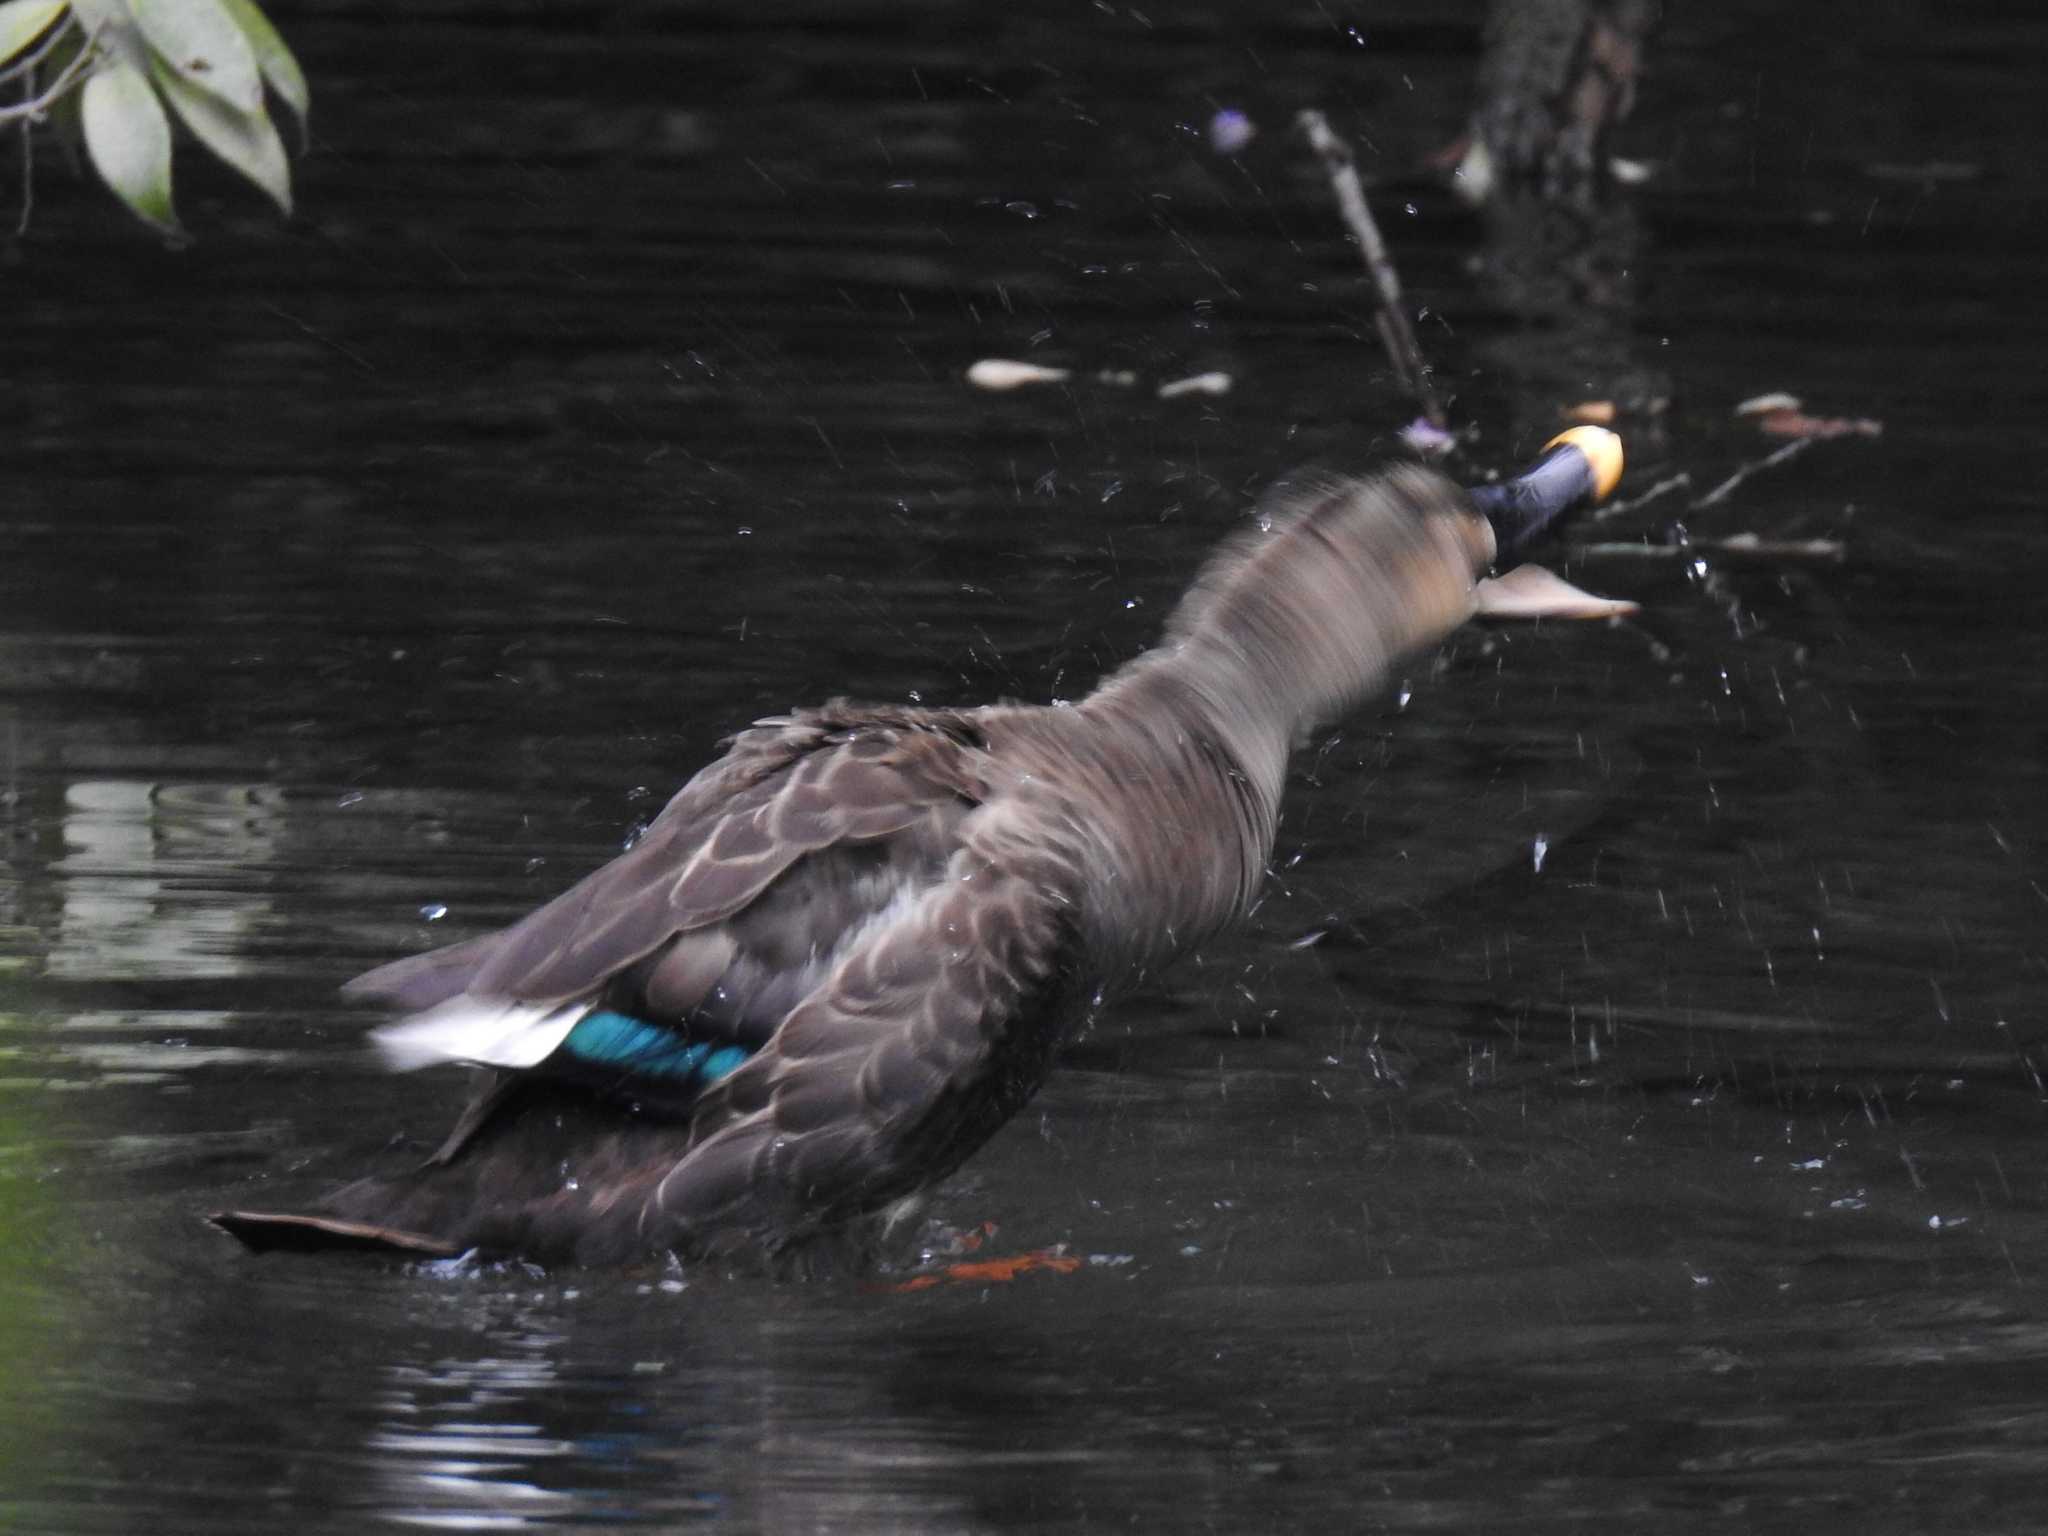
x,y
23,21
201,43
1762,405
1196,384
273,58
245,140
129,140
1531,592
1001,373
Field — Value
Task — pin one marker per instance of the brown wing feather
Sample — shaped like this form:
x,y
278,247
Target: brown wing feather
x,y
920,1044
785,789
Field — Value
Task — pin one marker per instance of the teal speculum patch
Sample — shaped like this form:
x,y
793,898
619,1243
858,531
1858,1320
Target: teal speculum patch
x,y
619,1042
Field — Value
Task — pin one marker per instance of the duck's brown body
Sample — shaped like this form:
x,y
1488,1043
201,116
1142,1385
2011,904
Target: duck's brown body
x,y
901,913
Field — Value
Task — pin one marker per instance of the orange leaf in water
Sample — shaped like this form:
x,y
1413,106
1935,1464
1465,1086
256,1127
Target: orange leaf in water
x,y
1782,415
989,1271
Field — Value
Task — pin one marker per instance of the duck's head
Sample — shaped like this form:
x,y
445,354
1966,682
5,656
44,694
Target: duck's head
x,y
1300,617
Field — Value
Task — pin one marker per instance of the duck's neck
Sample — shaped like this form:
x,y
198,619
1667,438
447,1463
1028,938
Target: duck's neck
x,y
1295,622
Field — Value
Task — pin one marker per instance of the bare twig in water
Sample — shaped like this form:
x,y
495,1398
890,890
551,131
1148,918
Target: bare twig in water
x,y
1734,544
1721,492
1396,334
1677,482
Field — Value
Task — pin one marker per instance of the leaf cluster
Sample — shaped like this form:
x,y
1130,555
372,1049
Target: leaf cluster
x,y
113,73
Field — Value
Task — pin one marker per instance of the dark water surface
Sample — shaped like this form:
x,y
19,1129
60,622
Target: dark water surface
x,y
606,395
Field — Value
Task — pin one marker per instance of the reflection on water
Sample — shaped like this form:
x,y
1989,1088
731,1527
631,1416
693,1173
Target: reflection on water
x,y
454,1452
146,877
369,579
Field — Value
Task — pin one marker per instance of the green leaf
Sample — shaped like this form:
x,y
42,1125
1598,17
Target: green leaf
x,y
246,140
23,21
200,41
272,57
129,139
113,31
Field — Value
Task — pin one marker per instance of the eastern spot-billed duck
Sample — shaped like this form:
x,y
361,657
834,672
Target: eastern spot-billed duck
x,y
846,951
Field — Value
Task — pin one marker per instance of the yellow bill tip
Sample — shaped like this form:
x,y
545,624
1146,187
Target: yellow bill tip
x,y
1602,450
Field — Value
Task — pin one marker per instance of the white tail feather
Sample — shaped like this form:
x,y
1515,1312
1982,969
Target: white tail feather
x,y
489,1032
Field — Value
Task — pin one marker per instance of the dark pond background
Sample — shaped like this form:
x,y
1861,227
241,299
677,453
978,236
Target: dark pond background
x,y
606,394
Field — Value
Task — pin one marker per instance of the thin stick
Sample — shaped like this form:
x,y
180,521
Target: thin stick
x,y
1677,482
1721,492
1734,544
1396,335
33,109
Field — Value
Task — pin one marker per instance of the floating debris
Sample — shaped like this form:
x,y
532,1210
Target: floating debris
x,y
998,374
1782,415
1758,405
1211,383
1424,437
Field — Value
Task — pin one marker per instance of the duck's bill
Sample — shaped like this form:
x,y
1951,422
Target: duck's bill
x,y
1581,465
1531,592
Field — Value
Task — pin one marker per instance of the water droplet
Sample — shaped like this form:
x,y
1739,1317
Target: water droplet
x,y
1538,850
433,912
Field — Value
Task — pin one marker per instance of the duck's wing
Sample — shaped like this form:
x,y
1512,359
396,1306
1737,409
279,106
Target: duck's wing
x,y
668,924
926,1035
925,1038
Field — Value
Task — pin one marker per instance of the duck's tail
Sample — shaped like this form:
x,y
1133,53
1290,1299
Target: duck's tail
x,y
288,1232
